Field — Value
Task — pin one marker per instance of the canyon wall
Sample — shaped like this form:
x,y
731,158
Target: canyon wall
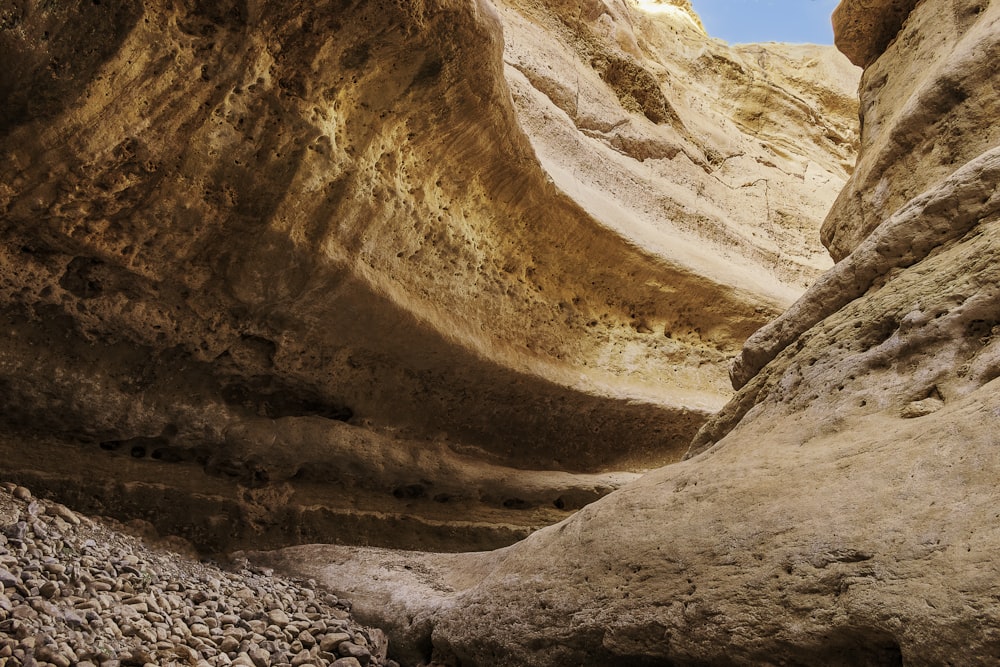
x,y
428,274
841,509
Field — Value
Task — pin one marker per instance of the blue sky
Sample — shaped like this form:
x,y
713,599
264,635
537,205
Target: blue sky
x,y
739,21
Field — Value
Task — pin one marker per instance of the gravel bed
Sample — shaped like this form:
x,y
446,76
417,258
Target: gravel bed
x,y
75,592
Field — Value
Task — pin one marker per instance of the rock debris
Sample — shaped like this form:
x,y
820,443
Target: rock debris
x,y
75,592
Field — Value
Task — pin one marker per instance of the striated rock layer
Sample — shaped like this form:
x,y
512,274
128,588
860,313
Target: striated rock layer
x,y
426,274
841,509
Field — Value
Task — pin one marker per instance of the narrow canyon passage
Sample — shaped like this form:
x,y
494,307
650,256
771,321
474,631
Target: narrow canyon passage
x,y
425,276
545,333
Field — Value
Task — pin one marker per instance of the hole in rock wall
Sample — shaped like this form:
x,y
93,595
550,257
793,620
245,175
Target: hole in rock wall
x,y
411,491
81,278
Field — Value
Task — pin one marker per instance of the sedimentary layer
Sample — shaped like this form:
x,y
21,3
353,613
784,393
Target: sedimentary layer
x,y
372,272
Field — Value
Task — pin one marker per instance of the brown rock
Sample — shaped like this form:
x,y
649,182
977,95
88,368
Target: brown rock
x,y
331,641
923,105
863,29
345,662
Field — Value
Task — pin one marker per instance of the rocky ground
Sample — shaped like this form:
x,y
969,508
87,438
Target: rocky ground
x,y
77,592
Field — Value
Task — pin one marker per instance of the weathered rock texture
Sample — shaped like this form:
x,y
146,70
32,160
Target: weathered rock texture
x,y
343,271
842,509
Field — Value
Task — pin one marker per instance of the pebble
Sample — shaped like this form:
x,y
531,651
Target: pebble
x,y
75,592
331,641
345,662
278,617
352,650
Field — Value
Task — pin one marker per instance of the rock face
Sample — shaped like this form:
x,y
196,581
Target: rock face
x,y
344,271
924,116
841,510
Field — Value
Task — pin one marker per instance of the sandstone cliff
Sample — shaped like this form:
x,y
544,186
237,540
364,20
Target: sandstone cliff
x,y
425,274
841,510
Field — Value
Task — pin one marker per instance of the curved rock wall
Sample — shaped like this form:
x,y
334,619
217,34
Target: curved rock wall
x,y
282,272
841,510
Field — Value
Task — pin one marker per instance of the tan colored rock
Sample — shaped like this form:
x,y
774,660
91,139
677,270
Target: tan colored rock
x,y
721,164
841,510
864,28
926,106
272,273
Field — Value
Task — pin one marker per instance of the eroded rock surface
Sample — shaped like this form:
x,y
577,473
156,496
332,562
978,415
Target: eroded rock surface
x,y
276,273
841,510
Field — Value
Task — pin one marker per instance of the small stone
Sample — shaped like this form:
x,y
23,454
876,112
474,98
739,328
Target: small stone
x,y
64,513
260,657
7,579
22,494
307,639
72,619
24,612
200,630
921,408
229,644
138,657
49,589
345,662
186,653
54,568
352,650
331,641
243,660
278,617
303,657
